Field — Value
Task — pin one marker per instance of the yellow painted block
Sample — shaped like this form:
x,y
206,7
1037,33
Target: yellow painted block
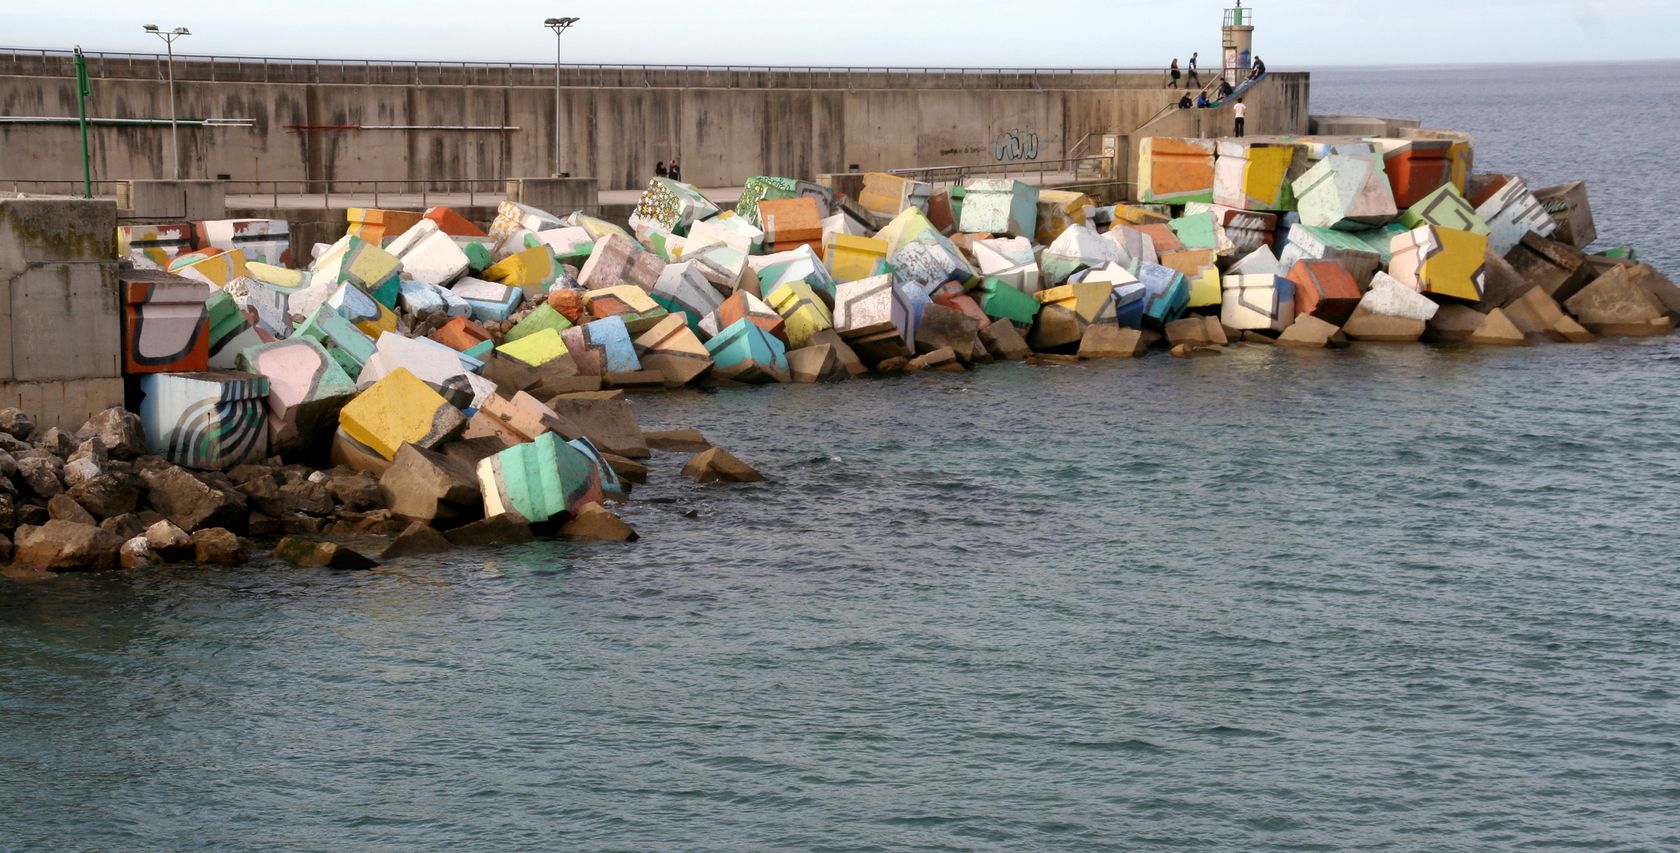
x,y
384,321
619,299
1456,270
1205,289
217,270
803,313
1086,299
399,408
376,226
851,258
1059,210
534,268
908,225
370,264
278,276
1268,171
536,349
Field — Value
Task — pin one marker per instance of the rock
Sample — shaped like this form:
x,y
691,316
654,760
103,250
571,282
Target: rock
x,y
1106,340
720,466
125,526
1616,304
815,363
8,466
595,522
78,471
1004,342
417,540
1184,351
109,494
17,424
943,360
241,474
1310,332
262,494
312,554
309,498
430,487
60,546
30,514
8,512
57,442
170,542
679,440
5,549
357,491
218,547
1498,330
65,508
942,327
607,419
137,553
192,504
262,525
1539,315
1659,287
299,524
1454,323
1192,331
1366,326
843,353
40,476
119,430
508,528
628,470
889,366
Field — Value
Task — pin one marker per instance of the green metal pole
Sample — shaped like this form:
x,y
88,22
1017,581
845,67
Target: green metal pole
x,y
83,90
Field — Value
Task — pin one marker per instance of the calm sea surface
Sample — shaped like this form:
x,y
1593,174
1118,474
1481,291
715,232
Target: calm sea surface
x,y
1404,598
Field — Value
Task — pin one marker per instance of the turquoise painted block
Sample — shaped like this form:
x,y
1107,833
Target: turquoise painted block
x,y
339,337
211,421
746,348
1198,231
1003,301
610,482
1167,294
672,306
1380,240
480,351
540,479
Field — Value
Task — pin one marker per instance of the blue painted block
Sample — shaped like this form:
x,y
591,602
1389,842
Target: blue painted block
x,y
610,482
1130,300
490,302
609,340
211,421
909,300
745,352
1168,294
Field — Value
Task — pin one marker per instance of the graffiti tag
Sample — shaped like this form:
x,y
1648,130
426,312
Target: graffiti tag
x,y
1014,145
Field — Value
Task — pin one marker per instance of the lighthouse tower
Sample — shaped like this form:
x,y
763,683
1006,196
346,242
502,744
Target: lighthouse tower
x,y
1238,35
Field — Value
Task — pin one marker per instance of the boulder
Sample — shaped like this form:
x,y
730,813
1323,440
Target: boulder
x,y
843,353
169,542
942,327
942,360
1310,332
1539,315
1003,341
61,546
595,522
216,546
1454,324
191,503
5,549
1197,331
1498,330
1186,351
65,508
430,487
39,475
628,470
17,424
680,440
417,540
1365,325
313,554
1104,340
309,498
1617,304
8,466
508,528
119,430
815,363
109,494
137,553
607,419
358,491
720,466
57,442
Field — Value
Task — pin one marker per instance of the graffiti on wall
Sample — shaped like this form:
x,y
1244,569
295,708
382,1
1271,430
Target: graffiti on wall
x,y
1014,145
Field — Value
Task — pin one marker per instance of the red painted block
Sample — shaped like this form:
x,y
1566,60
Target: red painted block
x,y
166,327
1325,290
1418,169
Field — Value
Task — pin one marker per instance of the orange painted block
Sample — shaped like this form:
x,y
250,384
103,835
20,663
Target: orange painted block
x,y
739,307
1417,169
1175,170
1325,290
1165,239
461,334
452,223
791,220
376,226
166,327
1191,262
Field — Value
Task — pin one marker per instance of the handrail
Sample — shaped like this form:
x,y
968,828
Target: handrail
x,y
951,175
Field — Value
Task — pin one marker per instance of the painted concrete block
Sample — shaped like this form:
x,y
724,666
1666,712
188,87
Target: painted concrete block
x,y
928,263
1388,297
1009,260
1001,207
1078,248
400,409
727,268
443,368
1511,211
1325,290
689,291
1175,170
1344,191
430,255
1135,246
542,480
339,336
544,317
368,314
376,226
1196,231
536,349
461,334
673,205
673,349
1416,167
231,332
631,304
803,312
868,307
1059,210
620,260
601,347
354,260
306,388
1239,232
789,222
513,221
266,241
214,267
567,240
1442,262
850,258
800,264
1093,302
1307,242
1206,287
1167,294
1258,303
1257,175
737,232
533,270
742,305
211,421
1261,261
745,352
452,223
166,326
1568,206
885,196
154,246
1447,208
1003,301
490,302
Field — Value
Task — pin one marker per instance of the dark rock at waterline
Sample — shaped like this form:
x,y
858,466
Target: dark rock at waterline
x,y
417,540
216,546
193,504
597,523
315,554
720,466
60,546
508,528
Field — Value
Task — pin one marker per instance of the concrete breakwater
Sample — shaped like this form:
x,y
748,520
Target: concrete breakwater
x,y
457,385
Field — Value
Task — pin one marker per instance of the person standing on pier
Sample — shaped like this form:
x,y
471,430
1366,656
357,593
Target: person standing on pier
x,y
1195,80
659,170
1241,112
675,169
1175,74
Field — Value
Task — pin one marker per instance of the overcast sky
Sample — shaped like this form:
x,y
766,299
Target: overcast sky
x,y
975,33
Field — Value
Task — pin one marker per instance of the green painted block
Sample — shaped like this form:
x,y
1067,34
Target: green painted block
x,y
1447,208
481,350
1619,253
672,306
1002,301
225,317
578,256
1378,239
540,479
1197,231
544,317
478,256
339,337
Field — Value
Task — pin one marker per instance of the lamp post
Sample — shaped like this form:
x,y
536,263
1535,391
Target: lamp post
x,y
559,26
169,37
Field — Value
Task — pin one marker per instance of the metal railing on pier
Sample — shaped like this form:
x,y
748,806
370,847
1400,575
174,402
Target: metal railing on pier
x,y
1068,168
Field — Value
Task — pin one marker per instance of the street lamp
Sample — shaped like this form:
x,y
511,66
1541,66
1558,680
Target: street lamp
x,y
169,38
559,26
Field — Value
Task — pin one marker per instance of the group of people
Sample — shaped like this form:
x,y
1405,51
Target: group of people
x,y
1195,81
1225,90
672,170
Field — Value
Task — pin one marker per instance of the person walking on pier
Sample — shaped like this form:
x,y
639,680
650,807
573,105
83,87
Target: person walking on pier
x,y
659,171
1241,112
1175,74
1195,80
676,169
